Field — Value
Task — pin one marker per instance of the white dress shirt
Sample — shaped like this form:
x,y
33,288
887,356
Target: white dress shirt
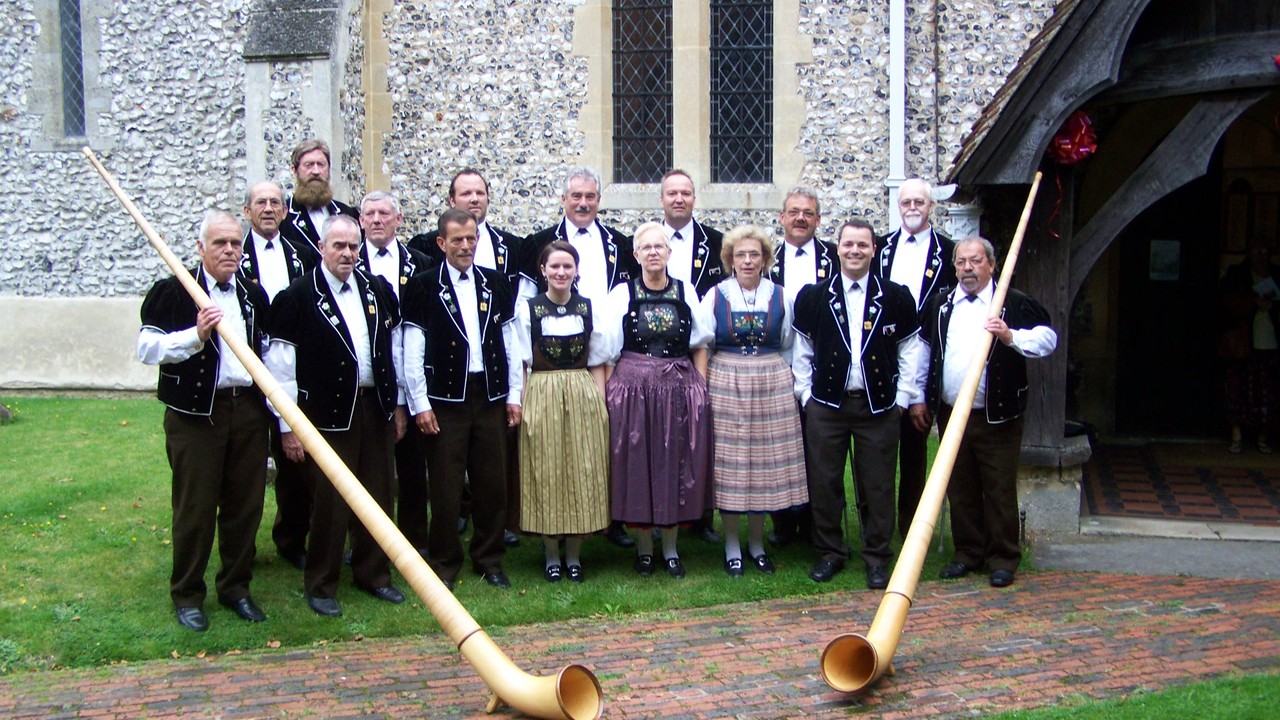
x,y
909,260
351,307
160,348
385,263
800,267
273,266
593,270
680,262
485,256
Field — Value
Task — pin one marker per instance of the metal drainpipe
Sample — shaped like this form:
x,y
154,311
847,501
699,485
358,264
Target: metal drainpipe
x,y
897,107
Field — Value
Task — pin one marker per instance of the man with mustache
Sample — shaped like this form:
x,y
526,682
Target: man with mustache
x,y
215,422
983,491
464,379
800,261
605,259
312,201
335,344
917,256
273,262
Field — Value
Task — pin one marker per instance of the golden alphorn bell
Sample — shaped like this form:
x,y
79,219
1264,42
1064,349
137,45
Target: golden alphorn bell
x,y
851,662
571,694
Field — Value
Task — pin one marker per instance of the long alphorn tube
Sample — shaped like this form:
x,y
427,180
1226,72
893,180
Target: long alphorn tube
x,y
850,662
571,694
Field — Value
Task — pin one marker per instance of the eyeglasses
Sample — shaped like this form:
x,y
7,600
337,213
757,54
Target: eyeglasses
x,y
806,214
747,255
912,202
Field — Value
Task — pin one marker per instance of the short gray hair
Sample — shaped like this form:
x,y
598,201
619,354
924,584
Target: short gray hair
x,y
213,216
379,196
987,247
581,172
333,221
803,191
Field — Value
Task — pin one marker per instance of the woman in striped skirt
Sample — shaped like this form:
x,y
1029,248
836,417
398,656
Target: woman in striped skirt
x,y
759,453
564,436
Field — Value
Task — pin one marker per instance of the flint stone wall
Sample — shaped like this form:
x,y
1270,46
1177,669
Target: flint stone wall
x,y
489,83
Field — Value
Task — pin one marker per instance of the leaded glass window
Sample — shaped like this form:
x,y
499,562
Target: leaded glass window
x,y
72,68
642,90
742,91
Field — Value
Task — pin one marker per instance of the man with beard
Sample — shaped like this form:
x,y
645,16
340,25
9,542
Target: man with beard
x,y
983,491
605,259
335,339
312,202
272,262
385,256
215,424
917,256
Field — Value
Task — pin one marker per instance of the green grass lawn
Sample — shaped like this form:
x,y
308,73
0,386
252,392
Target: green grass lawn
x,y
1234,698
84,535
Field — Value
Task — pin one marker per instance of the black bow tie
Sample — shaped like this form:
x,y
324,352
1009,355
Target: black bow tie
x,y
346,287
224,286
463,276
270,245
383,252
971,298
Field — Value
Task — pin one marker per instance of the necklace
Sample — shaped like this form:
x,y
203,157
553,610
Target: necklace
x,y
748,300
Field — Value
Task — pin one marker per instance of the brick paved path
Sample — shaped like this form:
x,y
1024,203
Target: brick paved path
x,y
967,649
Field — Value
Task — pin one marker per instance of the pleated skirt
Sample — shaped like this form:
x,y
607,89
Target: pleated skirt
x,y
759,452
564,455
661,441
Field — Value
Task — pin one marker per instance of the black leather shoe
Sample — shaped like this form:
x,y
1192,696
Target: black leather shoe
x,y
763,563
823,571
877,577
954,570
644,565
298,560
617,535
675,568
576,574
552,573
733,566
327,607
192,618
497,579
1001,578
247,609
510,539
709,535
386,593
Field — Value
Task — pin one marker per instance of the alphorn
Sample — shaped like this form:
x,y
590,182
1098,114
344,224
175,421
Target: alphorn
x,y
851,662
572,694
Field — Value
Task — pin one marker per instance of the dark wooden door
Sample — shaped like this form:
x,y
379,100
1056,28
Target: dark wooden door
x,y
1166,384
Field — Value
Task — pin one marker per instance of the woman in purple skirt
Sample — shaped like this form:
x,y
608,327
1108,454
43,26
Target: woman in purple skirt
x,y
659,411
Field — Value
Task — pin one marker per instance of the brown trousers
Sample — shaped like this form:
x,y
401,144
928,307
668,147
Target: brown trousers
x,y
983,492
219,466
367,449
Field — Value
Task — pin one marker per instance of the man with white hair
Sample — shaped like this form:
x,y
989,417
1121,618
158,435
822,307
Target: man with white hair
x,y
215,424
918,257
